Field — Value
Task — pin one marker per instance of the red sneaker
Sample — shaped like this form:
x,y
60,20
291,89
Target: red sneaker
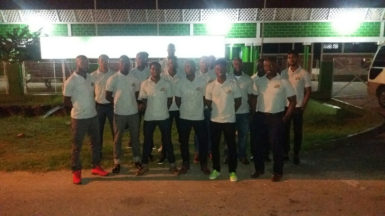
x,y
77,177
97,170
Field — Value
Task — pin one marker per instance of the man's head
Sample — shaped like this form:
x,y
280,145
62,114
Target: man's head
x,y
140,59
103,62
155,69
172,63
82,63
171,49
220,67
211,62
268,67
260,70
204,64
189,67
237,64
124,64
292,58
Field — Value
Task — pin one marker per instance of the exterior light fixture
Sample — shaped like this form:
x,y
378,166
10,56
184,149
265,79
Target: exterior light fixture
x,y
348,21
36,23
218,24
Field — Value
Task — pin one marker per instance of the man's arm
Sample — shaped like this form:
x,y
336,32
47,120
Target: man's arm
x,y
237,103
109,96
178,101
306,97
290,109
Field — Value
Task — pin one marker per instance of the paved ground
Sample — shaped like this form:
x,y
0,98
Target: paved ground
x,y
344,179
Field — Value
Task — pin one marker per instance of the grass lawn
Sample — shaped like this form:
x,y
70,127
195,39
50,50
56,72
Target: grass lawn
x,y
47,142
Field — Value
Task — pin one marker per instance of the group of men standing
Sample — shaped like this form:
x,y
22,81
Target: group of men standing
x,y
208,100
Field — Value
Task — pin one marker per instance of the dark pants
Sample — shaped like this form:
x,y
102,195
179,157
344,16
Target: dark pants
x,y
242,128
255,126
201,133
173,115
297,119
229,133
148,132
81,127
207,113
271,128
105,111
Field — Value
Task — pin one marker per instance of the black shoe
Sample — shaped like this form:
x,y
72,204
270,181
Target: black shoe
x,y
138,165
205,170
257,174
276,178
244,161
296,160
116,169
161,160
183,170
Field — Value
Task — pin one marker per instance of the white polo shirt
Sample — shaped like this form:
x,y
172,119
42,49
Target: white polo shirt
x,y
299,79
245,84
222,97
191,94
156,95
81,92
173,81
272,94
123,88
141,75
100,80
164,65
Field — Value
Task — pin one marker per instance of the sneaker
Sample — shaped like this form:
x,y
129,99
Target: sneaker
x,y
205,170
77,177
214,174
116,169
183,170
97,170
161,159
276,178
142,170
256,174
233,177
173,169
196,158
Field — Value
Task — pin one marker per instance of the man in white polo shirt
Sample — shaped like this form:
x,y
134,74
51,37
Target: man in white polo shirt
x,y
156,96
224,97
300,79
104,108
78,95
173,76
273,92
122,90
242,115
189,97
141,71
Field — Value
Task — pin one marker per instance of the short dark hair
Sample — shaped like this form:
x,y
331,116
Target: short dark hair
x,y
293,52
174,60
192,64
221,62
156,65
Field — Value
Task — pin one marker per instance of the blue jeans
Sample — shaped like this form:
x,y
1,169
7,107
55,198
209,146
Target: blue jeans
x,y
148,132
242,128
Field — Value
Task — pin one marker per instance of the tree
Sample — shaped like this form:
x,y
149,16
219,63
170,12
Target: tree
x,y
17,46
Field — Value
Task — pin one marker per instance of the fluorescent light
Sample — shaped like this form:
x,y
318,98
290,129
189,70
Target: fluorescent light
x,y
115,46
35,23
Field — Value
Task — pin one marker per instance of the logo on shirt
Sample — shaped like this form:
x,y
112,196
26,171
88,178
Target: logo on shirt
x,y
162,89
229,91
297,77
277,86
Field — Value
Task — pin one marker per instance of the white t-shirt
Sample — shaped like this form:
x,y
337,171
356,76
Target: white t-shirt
x,y
173,81
123,88
245,84
299,79
222,97
100,80
141,75
272,94
156,95
208,76
81,92
191,94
